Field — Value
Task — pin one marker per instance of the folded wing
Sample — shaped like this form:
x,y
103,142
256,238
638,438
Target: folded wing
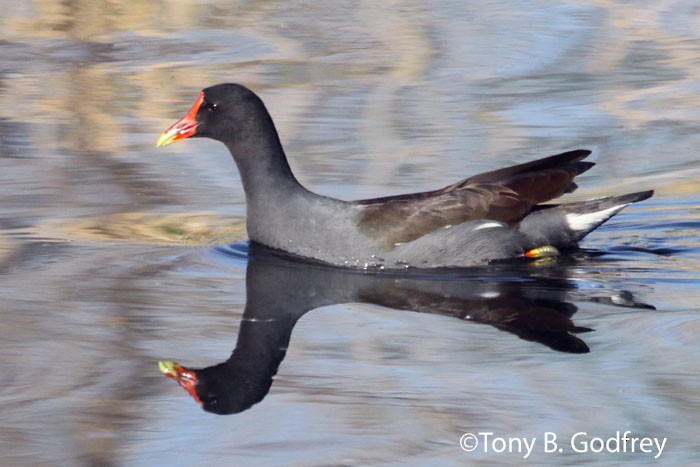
x,y
505,195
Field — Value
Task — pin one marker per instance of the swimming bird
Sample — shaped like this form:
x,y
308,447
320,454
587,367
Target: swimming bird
x,y
499,215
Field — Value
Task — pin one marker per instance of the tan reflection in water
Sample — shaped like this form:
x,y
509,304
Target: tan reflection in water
x,y
401,56
147,227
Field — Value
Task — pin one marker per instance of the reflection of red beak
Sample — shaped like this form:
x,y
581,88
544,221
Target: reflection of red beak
x,y
185,377
183,128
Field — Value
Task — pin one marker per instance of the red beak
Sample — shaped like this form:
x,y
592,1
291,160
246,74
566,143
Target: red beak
x,y
185,377
183,128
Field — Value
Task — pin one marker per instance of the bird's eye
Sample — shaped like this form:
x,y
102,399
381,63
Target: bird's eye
x,y
211,399
213,107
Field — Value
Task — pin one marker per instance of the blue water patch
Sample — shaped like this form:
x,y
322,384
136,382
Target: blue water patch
x,y
237,250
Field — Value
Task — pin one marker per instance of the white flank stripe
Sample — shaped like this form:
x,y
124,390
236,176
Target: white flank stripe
x,y
490,225
585,222
489,294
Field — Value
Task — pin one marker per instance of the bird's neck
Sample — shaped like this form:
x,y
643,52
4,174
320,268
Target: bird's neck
x,y
264,169
265,172
273,194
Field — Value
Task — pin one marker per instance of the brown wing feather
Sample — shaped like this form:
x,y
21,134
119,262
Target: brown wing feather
x,y
504,195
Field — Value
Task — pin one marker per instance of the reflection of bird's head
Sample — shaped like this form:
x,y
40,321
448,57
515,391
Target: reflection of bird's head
x,y
219,389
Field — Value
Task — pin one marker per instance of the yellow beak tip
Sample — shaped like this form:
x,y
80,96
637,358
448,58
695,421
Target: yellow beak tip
x,y
165,139
166,366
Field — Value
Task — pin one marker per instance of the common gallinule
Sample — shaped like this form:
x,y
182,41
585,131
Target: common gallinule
x,y
488,217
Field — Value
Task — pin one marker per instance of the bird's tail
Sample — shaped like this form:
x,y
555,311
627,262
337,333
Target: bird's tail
x,y
562,226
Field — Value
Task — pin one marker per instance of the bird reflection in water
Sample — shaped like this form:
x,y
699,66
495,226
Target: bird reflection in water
x,y
521,300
